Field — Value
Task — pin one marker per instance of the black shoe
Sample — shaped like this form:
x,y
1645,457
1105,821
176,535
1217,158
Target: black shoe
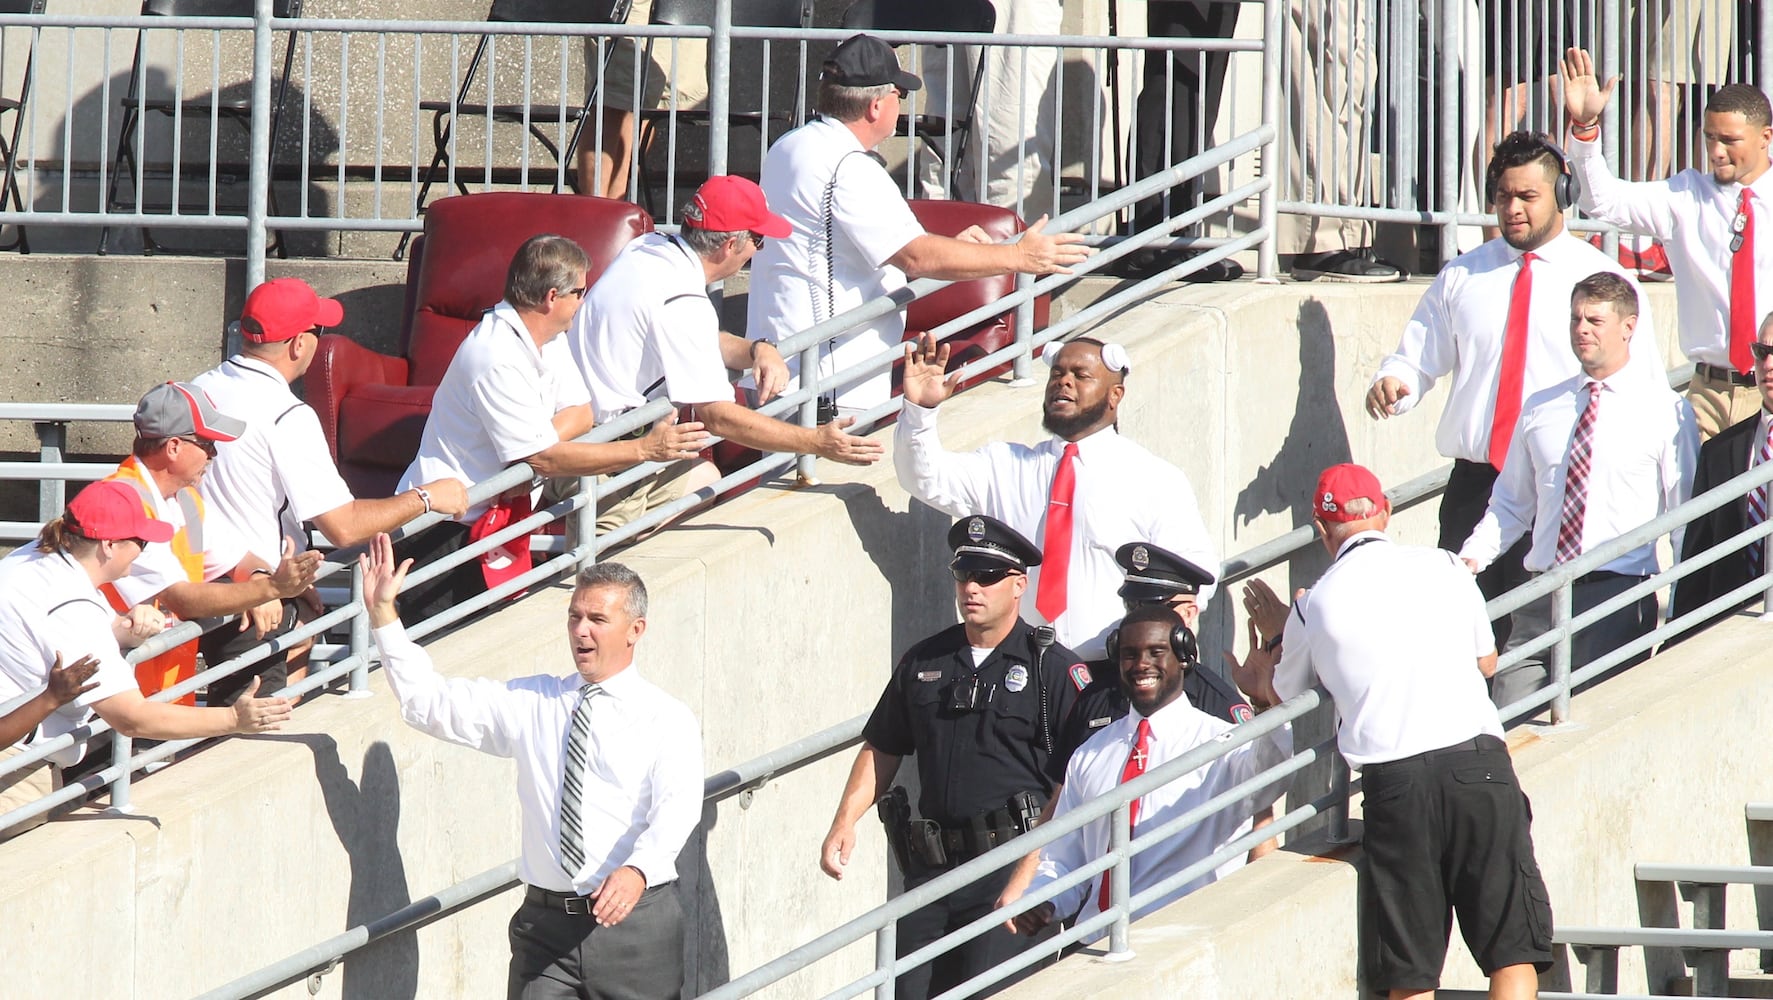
x,y
1349,266
1146,262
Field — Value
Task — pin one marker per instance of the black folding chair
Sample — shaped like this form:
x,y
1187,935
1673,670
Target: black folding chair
x,y
444,113
15,106
236,109
746,14
931,124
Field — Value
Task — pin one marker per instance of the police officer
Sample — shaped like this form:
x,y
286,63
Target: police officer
x,y
981,705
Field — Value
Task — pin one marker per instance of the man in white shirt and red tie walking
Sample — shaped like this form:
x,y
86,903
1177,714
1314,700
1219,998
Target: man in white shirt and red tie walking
x,y
1079,495
1714,226
1594,457
1496,320
609,782
1151,649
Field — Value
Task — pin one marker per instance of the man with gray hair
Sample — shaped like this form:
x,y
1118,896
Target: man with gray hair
x,y
854,237
648,324
512,394
609,785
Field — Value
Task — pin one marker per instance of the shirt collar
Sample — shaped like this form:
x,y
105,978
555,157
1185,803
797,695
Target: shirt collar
x,y
256,366
1372,533
1095,442
506,313
849,139
1169,719
624,686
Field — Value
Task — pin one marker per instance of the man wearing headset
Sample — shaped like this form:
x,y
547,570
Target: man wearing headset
x,y
1496,320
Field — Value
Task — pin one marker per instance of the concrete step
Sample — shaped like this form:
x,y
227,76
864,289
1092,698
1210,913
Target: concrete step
x,y
1662,937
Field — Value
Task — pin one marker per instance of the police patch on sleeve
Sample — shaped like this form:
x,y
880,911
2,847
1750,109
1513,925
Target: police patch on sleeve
x,y
1016,678
1241,712
1080,676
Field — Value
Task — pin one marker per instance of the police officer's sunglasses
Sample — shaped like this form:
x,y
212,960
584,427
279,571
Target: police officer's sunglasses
x,y
1761,351
983,577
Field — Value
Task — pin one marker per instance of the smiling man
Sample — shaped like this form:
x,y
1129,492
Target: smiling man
x,y
1595,456
609,783
1080,495
1151,649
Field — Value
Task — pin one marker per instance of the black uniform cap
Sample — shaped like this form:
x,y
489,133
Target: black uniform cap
x,y
1155,574
981,542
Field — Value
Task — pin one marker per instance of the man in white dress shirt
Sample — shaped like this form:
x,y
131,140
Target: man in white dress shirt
x,y
513,394
1714,225
1080,495
854,237
1497,323
1399,637
1161,727
609,783
1593,458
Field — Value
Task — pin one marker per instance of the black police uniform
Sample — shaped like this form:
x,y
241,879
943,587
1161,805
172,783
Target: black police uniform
x,y
972,765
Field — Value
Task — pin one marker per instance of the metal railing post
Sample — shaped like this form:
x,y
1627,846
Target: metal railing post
x,y
886,952
1268,252
1766,578
1763,35
259,174
359,685
1447,126
720,59
587,520
807,466
122,748
1120,881
1560,653
52,493
1338,823
1022,369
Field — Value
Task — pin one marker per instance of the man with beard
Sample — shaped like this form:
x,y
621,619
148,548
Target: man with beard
x,y
1151,649
979,705
1080,495
1497,320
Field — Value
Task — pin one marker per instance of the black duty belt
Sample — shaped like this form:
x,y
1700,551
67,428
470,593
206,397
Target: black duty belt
x,y
1729,375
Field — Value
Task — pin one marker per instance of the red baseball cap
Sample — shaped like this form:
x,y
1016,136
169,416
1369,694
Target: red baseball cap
x,y
283,308
728,204
109,509
1340,484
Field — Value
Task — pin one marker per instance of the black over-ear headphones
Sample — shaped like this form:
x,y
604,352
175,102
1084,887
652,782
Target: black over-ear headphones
x,y
1566,188
1182,643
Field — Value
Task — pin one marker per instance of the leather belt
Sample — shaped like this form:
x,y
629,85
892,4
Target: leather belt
x,y
1717,374
578,906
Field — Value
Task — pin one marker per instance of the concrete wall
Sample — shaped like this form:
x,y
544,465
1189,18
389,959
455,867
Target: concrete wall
x,y
775,615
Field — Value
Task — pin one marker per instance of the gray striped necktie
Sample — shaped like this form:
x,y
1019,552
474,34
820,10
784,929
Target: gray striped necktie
x,y
572,786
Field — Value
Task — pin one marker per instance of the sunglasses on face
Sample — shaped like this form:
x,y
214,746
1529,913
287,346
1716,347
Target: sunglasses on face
x,y
983,577
208,447
579,291
902,92
1761,351
756,240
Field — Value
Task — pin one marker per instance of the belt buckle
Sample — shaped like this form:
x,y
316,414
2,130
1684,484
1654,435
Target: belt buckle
x,y
577,906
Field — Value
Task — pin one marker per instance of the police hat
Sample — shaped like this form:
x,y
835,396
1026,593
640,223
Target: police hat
x,y
981,542
1155,574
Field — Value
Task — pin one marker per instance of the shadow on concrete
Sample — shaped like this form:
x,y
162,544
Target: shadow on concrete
x,y
706,961
908,546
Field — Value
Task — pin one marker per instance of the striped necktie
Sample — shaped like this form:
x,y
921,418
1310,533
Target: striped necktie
x,y
572,785
1757,504
1576,479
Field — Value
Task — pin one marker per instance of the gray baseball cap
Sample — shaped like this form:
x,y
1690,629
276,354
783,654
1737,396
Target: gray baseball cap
x,y
180,409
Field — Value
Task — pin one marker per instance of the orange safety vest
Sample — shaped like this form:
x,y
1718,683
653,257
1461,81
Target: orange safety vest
x,y
180,663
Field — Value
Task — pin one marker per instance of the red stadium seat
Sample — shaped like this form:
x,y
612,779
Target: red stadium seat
x,y
372,406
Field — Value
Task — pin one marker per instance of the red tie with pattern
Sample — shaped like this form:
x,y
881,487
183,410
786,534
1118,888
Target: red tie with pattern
x,y
1055,548
1514,363
1743,320
1576,479
1135,766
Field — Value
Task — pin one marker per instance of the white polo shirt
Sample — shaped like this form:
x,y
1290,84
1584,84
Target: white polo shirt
x,y
1394,632
848,218
48,605
279,473
158,567
647,323
495,405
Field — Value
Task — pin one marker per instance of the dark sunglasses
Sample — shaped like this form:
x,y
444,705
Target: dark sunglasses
x,y
983,577
901,91
756,240
140,543
1761,351
207,446
579,291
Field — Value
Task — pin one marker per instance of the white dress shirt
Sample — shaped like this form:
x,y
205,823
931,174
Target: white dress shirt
x,y
1394,633
1124,494
868,222
1691,214
643,783
495,405
48,605
646,323
277,474
1095,770
1646,443
1460,324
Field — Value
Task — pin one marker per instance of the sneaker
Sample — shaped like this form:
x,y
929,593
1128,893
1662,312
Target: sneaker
x,y
1350,266
1147,262
1653,264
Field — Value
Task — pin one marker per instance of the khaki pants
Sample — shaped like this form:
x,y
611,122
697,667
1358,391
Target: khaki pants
x,y
21,788
1326,148
1718,404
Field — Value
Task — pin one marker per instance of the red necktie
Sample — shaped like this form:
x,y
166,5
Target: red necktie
x,y
1575,506
1514,363
1055,549
1742,291
1135,766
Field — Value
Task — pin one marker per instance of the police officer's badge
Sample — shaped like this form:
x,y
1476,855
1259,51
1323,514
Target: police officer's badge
x,y
1016,678
1140,558
976,529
